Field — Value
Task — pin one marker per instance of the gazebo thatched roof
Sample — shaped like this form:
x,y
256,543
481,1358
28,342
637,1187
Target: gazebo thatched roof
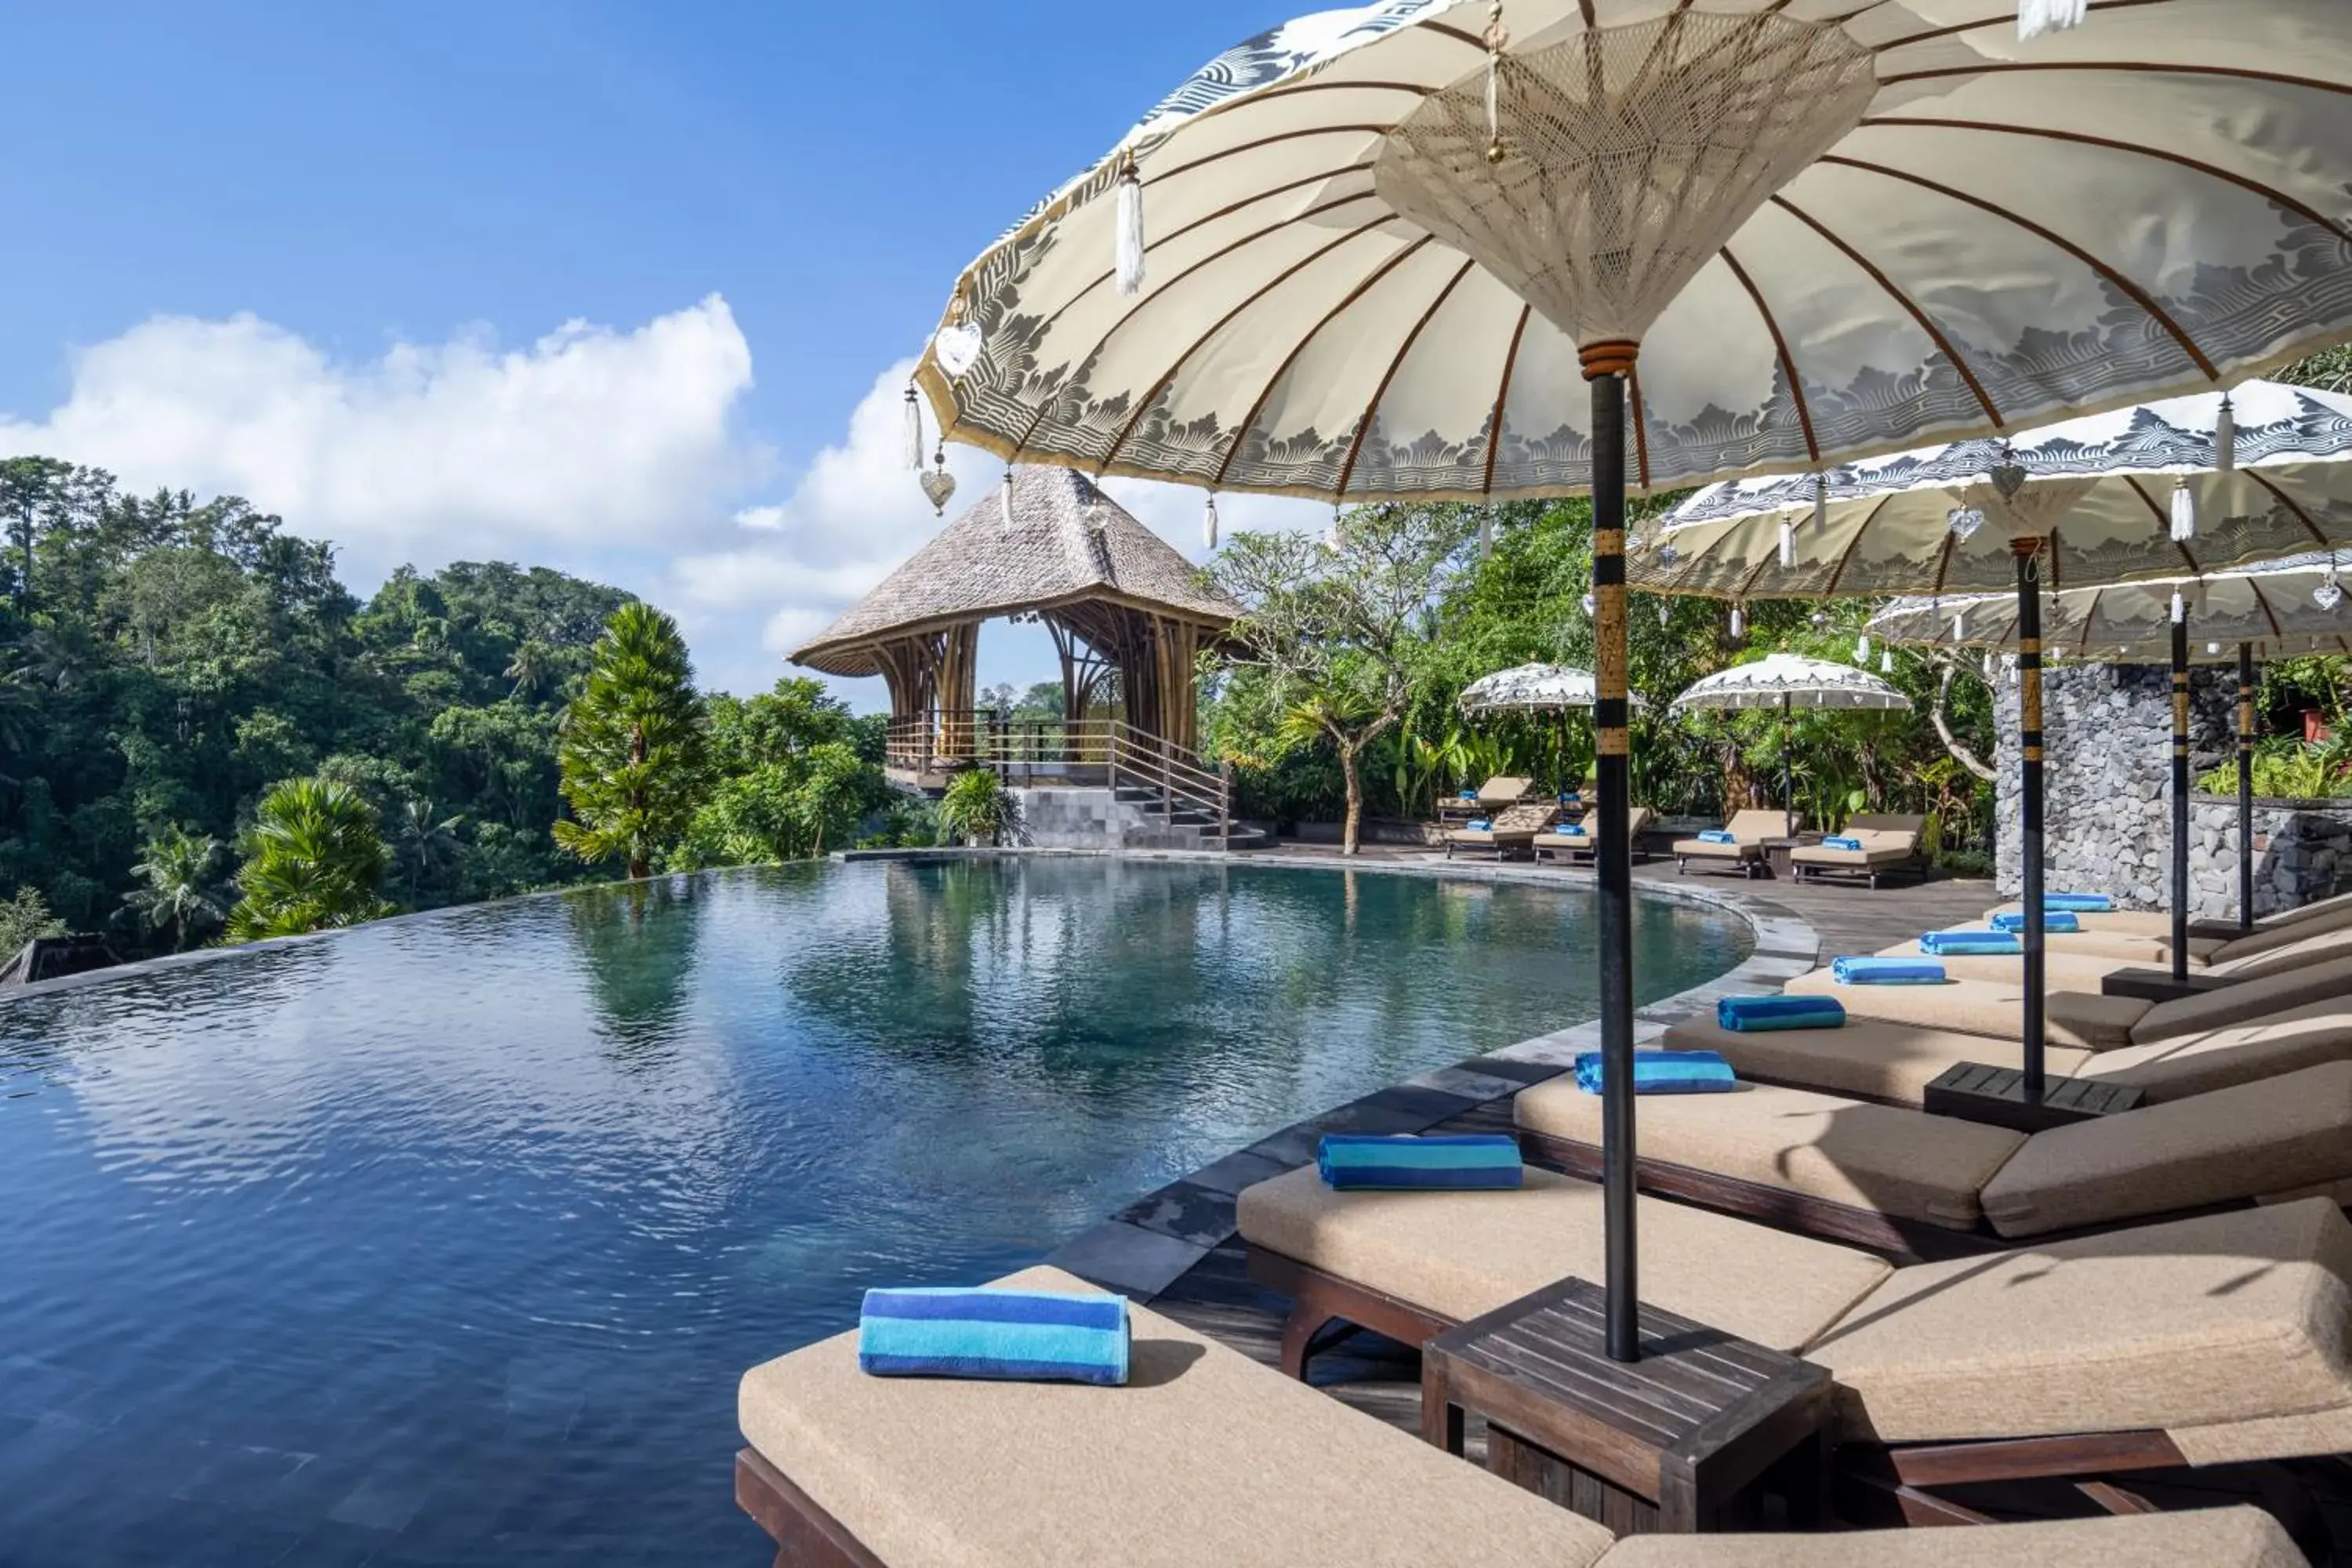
x,y
1060,549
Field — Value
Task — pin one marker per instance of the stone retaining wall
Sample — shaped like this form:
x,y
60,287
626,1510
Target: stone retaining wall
x,y
2108,806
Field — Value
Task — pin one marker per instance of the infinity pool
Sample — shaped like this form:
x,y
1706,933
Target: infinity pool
x,y
444,1241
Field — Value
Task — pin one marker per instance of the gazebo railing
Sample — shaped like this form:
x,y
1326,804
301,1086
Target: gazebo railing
x,y
1106,753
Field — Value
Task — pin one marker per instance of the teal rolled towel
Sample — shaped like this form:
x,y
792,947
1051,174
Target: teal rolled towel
x,y
1959,944
1441,1162
1000,1335
1663,1072
1886,972
1483,824
1838,841
2078,904
1756,1014
1718,836
2055,922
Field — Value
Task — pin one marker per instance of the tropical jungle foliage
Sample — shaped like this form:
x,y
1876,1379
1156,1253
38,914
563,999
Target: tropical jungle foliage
x,y
166,664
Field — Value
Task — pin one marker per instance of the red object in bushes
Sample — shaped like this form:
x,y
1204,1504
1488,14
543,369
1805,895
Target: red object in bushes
x,y
2315,727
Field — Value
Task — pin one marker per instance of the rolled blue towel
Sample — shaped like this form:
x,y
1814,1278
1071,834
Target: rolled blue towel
x,y
1481,825
1008,1335
1467,794
1756,1014
2077,903
2055,922
1446,1162
1958,943
1886,972
1663,1072
1840,841
1718,836
1575,830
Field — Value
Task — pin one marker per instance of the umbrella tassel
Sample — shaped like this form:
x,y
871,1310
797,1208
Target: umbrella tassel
x,y
1130,230
1209,523
1007,494
2035,17
2179,609
1862,649
2225,439
1820,501
1788,546
914,430
2184,512
1485,537
1497,38
1887,661
1738,623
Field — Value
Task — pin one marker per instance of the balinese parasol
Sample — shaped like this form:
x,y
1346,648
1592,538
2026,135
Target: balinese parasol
x,y
2189,484
2285,610
1533,688
1785,681
1371,254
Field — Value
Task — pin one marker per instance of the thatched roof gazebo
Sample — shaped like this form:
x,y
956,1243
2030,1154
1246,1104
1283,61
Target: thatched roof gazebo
x,y
1128,614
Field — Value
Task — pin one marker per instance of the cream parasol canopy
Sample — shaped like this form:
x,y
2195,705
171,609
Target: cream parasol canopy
x,y
2286,610
1538,687
1787,681
1372,253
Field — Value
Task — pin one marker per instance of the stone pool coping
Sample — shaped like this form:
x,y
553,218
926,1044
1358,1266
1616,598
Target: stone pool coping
x,y
1153,1242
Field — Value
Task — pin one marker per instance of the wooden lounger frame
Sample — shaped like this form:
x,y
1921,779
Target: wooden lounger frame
x,y
1875,1483
805,1535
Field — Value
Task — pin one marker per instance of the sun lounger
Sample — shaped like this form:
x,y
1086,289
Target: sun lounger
x,y
1890,845
2069,967
1751,829
2200,1342
1906,1182
1207,1457
1893,1064
1580,851
1495,795
2082,1018
1515,828
2322,914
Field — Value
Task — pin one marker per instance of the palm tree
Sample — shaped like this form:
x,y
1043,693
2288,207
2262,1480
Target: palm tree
x,y
633,745
424,844
181,888
531,668
313,861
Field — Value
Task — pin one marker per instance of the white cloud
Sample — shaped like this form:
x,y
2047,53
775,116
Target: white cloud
x,y
618,454
588,439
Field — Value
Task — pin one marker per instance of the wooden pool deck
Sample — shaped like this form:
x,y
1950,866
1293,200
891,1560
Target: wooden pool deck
x,y
1215,1295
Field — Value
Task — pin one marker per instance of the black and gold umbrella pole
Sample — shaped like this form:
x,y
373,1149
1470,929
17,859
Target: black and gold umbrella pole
x,y
1606,367
2179,793
2028,838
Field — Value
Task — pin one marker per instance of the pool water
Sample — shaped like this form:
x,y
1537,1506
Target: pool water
x,y
444,1240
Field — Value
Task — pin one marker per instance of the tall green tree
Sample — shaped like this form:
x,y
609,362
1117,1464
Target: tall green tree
x,y
1334,628
314,860
180,893
632,756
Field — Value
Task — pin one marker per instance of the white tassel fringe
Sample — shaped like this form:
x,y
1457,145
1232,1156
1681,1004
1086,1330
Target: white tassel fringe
x,y
2225,439
2035,17
1006,495
1887,661
1485,538
1862,649
1209,523
1820,501
1738,621
1130,231
1788,546
2179,609
2184,512
914,431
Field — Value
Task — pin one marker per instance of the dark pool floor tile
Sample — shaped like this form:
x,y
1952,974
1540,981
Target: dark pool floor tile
x,y
334,1545
236,1475
1186,1211
385,1500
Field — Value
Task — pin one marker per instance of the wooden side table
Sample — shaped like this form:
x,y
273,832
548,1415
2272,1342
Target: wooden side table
x,y
1694,1436
2157,984
1780,854
1971,1091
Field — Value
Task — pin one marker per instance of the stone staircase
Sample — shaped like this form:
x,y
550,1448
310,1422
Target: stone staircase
x,y
1122,818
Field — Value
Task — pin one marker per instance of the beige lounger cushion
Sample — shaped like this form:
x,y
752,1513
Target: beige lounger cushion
x,y
2079,1019
2208,1323
1872,1060
1635,821
2299,1037
2078,971
2280,1135
2245,1001
2274,952
1458,1255
1874,1157
1750,828
2137,923
1700,849
1877,849
2208,1538
1205,1457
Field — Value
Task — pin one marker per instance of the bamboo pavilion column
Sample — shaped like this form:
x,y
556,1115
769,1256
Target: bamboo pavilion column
x,y
2245,786
2180,794
2029,677
958,665
1606,367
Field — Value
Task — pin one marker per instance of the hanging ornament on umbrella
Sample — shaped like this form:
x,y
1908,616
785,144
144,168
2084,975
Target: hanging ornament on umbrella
x,y
914,429
1788,545
2184,512
1887,661
1485,537
938,485
957,345
1209,523
1005,496
1131,229
1498,38
1738,621
2330,593
1862,649
1964,521
2225,439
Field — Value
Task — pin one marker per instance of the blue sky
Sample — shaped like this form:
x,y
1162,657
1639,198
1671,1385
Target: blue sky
x,y
607,286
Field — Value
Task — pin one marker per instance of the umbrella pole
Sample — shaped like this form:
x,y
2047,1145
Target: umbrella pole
x,y
1788,777
1606,367
2245,786
2029,667
2181,798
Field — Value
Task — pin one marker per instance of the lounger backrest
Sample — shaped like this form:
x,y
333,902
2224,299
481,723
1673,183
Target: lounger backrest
x,y
1753,827
1898,822
2245,1001
1636,821
2293,942
1526,818
1505,792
